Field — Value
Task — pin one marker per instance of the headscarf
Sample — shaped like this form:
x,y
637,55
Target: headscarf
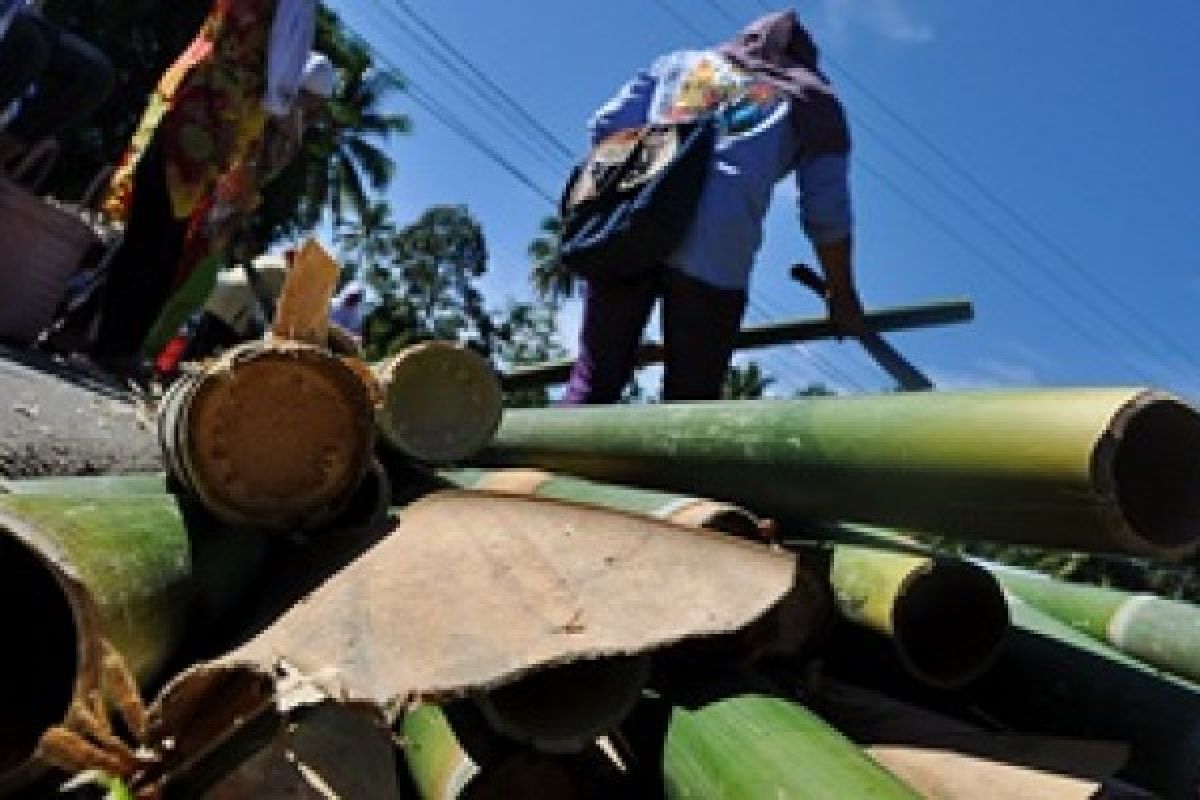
x,y
778,49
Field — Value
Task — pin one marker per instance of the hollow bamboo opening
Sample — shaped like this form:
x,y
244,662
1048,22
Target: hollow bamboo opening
x,y
1154,470
41,651
949,622
561,710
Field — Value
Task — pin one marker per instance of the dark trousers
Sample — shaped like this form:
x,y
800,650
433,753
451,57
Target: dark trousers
x,y
700,323
70,77
142,271
212,335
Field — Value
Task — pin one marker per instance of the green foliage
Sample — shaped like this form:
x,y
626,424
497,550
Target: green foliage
x,y
551,280
341,168
746,383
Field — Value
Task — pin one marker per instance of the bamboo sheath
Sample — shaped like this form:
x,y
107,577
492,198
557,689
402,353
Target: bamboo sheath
x,y
1163,633
1102,470
947,618
137,570
758,746
1056,680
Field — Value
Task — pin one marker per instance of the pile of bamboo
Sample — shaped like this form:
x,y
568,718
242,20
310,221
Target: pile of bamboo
x,y
360,581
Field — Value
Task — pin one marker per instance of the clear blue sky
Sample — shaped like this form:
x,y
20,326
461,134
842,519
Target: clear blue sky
x,y
1041,158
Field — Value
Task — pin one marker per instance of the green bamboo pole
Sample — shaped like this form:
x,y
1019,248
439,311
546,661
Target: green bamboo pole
x,y
1055,680
759,746
88,485
1106,470
945,312
670,506
1163,633
137,570
947,617
442,768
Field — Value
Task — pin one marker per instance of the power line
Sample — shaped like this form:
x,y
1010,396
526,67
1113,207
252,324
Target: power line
x,y
433,57
455,123
958,200
533,122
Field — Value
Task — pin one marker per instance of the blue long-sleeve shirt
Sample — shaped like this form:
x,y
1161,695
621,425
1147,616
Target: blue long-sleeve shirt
x,y
758,146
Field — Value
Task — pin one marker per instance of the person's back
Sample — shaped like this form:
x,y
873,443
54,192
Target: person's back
x,y
777,116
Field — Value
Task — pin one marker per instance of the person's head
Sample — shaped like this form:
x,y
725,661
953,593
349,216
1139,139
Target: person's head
x,y
777,38
318,84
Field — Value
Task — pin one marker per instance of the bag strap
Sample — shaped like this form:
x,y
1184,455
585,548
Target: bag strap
x,y
43,156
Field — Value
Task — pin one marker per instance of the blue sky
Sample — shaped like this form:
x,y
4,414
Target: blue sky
x,y
1041,158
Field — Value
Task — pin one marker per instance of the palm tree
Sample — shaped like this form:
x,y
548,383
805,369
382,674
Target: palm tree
x,y
551,280
342,167
746,383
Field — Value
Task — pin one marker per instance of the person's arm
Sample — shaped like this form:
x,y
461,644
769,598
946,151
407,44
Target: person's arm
x,y
291,40
826,211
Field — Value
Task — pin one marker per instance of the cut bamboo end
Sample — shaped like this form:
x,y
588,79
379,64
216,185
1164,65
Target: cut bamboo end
x,y
947,618
1147,463
441,402
949,623
273,436
303,311
563,709
45,653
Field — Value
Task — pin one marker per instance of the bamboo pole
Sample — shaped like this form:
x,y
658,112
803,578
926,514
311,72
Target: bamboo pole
x,y
138,571
441,402
694,512
947,617
1056,680
1100,470
902,318
88,485
759,746
1163,633
547,711
272,436
443,768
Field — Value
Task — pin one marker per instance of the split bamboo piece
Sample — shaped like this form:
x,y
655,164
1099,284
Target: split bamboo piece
x,y
947,618
1163,633
759,746
785,631
272,436
948,759
441,402
303,311
139,571
524,584
1053,679
1098,470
